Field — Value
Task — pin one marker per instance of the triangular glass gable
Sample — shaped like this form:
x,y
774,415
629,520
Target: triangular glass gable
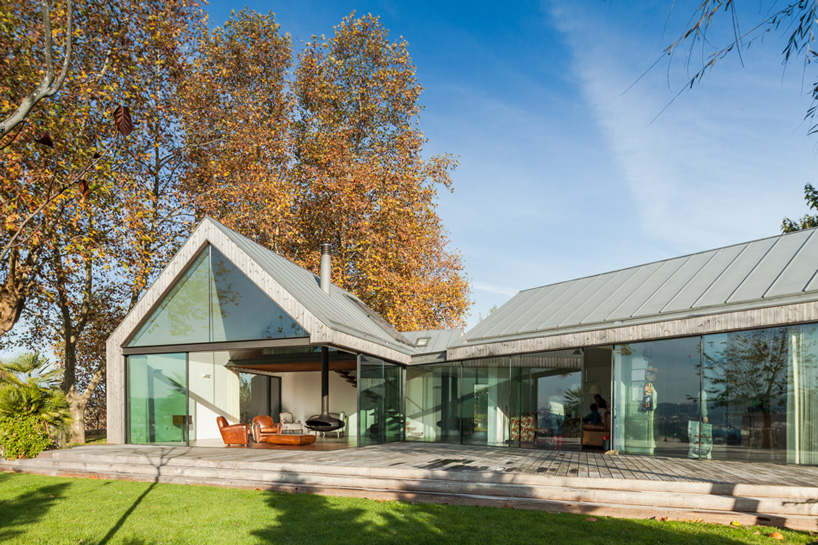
x,y
241,311
215,302
183,315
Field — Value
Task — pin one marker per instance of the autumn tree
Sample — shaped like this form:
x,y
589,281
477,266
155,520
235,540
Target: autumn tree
x,y
237,117
118,215
61,152
336,155
363,184
55,57
154,213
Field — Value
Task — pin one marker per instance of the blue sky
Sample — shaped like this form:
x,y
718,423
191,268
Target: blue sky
x,y
568,164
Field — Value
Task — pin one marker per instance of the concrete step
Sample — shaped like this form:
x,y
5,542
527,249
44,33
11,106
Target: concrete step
x,y
612,497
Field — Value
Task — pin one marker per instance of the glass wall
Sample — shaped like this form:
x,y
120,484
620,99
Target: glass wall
x,y
431,403
746,395
656,396
802,395
213,392
176,398
760,391
259,394
380,401
157,399
548,412
485,402
526,400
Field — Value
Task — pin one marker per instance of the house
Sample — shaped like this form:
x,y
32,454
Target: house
x,y
710,355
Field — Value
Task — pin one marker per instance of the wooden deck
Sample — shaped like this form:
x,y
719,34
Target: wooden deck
x,y
459,458
591,483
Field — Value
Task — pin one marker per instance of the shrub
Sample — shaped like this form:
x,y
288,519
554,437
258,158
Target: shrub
x,y
23,436
32,409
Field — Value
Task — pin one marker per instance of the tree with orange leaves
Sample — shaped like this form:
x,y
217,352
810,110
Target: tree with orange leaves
x,y
237,100
93,215
338,160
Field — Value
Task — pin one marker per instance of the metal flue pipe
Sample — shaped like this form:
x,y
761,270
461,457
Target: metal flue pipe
x,y
326,268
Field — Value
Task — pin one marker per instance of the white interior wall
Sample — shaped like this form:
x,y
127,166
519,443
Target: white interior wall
x,y
214,392
301,394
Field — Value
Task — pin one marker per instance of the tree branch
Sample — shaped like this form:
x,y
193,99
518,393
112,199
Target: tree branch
x,y
48,86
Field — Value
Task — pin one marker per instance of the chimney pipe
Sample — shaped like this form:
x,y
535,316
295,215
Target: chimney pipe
x,y
326,268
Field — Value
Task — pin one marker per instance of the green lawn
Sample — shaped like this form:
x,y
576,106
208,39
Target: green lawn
x,y
35,509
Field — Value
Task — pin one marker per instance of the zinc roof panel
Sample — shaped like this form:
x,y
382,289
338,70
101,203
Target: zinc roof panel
x,y
770,266
799,271
703,279
562,304
525,309
674,284
500,317
439,339
738,271
630,306
592,301
619,294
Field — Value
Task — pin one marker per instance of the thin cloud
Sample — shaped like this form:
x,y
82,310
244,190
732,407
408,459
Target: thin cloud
x,y
494,288
718,166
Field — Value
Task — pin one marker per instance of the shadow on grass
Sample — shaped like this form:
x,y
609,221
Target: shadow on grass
x,y
27,508
128,512
163,459
318,520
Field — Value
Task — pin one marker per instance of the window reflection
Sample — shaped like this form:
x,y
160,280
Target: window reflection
x,y
214,301
657,391
745,384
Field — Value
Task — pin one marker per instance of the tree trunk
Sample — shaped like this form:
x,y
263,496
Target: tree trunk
x,y
77,403
14,290
77,408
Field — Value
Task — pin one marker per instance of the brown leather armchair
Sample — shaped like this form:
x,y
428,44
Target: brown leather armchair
x,y
264,427
233,434
593,435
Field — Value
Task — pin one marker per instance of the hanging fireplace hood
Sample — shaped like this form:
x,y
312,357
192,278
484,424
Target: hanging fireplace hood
x,y
323,421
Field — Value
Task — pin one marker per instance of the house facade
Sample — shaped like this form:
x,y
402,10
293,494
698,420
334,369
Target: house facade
x,y
712,355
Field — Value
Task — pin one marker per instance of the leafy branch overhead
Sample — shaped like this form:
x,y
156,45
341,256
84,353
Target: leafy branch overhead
x,y
794,22
51,82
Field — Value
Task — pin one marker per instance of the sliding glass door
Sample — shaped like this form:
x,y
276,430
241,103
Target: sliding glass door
x,y
157,399
380,401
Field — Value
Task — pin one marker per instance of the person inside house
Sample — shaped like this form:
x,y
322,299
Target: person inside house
x,y
557,411
593,417
601,404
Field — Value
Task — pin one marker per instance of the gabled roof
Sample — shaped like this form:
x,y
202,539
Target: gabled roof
x,y
341,310
768,272
338,318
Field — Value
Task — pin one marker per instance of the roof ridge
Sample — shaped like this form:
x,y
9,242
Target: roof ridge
x,y
779,236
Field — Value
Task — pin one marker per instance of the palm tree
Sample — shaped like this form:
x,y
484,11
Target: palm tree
x,y
29,388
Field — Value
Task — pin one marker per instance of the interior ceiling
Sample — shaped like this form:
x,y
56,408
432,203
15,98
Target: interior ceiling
x,y
258,359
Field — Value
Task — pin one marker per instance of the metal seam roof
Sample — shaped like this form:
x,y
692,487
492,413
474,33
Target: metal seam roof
x,y
713,281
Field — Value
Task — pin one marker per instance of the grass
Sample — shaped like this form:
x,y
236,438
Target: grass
x,y
37,509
